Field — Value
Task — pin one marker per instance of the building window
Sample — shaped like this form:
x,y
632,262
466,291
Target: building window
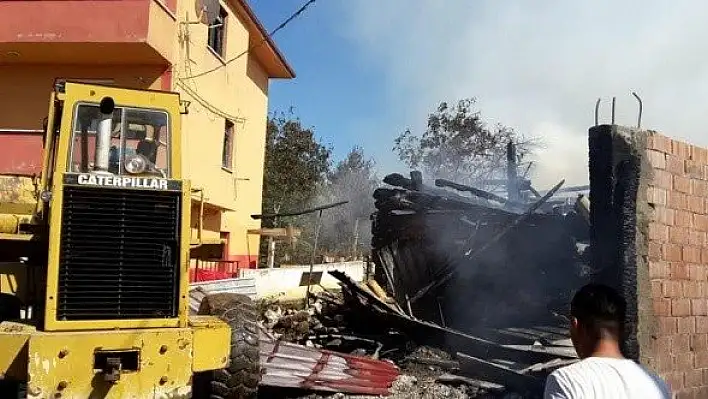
x,y
227,151
217,33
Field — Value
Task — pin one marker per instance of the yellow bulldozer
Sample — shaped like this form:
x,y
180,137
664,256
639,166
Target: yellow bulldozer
x,y
94,263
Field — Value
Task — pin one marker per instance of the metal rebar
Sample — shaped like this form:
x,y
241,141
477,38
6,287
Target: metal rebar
x,y
613,110
639,117
597,111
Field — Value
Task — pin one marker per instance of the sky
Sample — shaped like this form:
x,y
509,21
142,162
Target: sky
x,y
369,69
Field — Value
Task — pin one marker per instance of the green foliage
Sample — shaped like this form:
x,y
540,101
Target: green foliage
x,y
458,145
298,175
296,164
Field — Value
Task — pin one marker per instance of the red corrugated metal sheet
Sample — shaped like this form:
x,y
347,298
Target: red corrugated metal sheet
x,y
20,152
295,366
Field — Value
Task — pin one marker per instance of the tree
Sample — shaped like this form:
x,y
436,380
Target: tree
x,y
346,229
296,165
459,146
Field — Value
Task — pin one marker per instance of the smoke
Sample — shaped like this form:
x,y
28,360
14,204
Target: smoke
x,y
345,231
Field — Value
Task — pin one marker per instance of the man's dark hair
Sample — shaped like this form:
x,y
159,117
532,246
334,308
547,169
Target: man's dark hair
x,y
599,309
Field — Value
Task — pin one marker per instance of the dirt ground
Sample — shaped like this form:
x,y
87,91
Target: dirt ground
x,y
406,387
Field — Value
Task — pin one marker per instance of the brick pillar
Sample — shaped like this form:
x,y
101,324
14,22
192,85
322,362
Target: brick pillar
x,y
649,203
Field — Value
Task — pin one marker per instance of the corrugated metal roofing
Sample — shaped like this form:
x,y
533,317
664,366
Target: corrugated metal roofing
x,y
295,366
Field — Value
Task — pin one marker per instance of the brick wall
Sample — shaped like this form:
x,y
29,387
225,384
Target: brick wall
x,y
649,236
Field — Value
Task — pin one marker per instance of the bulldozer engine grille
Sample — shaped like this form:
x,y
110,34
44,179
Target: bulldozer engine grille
x,y
119,256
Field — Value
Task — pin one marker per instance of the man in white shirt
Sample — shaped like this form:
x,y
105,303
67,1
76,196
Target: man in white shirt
x,y
597,315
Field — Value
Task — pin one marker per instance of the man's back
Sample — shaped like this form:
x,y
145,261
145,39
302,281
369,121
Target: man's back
x,y
602,377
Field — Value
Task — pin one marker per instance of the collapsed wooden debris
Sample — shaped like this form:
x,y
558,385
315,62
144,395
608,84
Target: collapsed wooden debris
x,y
472,253
431,245
464,262
481,279
358,342
521,368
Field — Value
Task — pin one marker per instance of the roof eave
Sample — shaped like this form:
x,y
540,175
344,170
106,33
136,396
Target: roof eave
x,y
278,67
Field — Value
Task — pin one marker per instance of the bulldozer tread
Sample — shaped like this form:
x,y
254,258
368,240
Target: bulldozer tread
x,y
240,379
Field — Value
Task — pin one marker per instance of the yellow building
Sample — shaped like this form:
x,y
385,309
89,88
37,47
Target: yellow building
x,y
154,44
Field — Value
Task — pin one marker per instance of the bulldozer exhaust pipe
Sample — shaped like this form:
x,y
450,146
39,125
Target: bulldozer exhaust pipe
x,y
103,136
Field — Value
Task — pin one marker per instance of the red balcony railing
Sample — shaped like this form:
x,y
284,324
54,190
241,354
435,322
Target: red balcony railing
x,y
213,270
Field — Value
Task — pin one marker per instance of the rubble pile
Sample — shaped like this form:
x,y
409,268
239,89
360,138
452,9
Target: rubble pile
x,y
329,322
434,361
333,326
466,300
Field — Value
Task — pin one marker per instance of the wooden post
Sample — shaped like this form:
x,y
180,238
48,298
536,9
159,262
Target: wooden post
x,y
512,186
271,252
289,233
356,238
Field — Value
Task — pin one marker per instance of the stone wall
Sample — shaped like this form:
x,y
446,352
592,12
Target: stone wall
x,y
649,213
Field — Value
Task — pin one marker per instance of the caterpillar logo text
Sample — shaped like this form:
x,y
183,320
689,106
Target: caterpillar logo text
x,y
124,182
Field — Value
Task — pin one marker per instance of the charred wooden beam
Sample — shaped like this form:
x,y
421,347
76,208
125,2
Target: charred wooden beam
x,y
548,367
512,183
398,180
442,363
555,351
476,192
424,332
453,379
482,369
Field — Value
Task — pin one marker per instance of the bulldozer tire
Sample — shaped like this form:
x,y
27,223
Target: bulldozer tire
x,y
13,389
10,307
240,379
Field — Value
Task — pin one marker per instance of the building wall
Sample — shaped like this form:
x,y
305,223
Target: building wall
x,y
173,45
650,227
678,262
238,93
25,89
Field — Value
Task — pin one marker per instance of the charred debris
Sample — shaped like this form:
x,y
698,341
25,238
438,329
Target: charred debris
x,y
468,295
477,261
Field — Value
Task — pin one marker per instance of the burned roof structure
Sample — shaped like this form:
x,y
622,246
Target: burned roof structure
x,y
474,260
